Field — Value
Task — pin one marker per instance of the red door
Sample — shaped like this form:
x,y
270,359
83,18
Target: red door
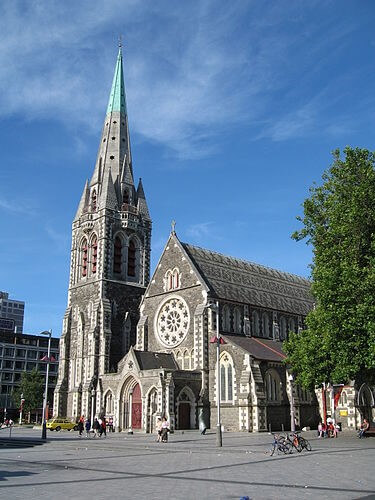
x,y
184,415
137,408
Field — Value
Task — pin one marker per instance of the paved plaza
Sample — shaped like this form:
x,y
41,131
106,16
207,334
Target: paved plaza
x,y
189,466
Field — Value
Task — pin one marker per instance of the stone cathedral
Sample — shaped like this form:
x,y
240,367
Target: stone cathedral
x,y
134,348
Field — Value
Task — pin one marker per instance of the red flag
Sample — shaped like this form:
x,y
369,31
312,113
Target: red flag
x,y
213,340
337,394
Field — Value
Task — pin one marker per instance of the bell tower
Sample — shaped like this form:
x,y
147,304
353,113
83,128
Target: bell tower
x,y
109,266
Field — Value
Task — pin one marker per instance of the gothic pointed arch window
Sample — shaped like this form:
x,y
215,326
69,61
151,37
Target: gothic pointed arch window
x,y
266,325
237,320
255,323
117,255
172,279
292,325
176,279
93,201
125,197
272,386
186,360
108,403
282,328
179,359
84,252
94,254
343,401
226,318
226,378
131,258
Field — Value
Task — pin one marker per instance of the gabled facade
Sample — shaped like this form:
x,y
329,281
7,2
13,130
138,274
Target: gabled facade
x,y
257,308
109,267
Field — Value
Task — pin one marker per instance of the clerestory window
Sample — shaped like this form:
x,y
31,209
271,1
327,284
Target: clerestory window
x,y
117,255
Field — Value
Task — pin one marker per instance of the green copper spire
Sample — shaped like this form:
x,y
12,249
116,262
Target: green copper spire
x,y
117,101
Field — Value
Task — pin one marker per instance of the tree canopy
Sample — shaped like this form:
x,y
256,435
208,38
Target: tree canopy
x,y
32,388
338,343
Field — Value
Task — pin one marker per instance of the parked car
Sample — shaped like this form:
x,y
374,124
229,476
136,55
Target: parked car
x,y
56,424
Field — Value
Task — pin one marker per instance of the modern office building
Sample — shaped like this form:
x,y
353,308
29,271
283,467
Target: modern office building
x,y
24,352
11,313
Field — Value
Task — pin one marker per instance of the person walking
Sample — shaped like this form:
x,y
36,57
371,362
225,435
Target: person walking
x,y
158,430
81,425
88,427
103,428
96,427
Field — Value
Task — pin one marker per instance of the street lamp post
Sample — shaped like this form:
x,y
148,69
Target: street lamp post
x,y
44,420
21,407
292,411
92,407
218,340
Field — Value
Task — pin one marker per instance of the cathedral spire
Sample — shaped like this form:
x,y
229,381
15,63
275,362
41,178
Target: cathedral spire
x,y
117,100
114,145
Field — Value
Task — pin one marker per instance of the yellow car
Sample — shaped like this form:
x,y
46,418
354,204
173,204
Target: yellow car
x,y
56,424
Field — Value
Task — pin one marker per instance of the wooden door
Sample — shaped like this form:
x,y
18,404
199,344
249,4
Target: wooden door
x,y
137,408
184,415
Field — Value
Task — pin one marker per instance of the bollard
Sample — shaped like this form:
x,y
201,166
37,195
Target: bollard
x,y
282,427
269,428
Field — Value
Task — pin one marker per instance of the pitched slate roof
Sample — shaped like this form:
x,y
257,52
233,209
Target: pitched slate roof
x,y
238,280
149,360
263,349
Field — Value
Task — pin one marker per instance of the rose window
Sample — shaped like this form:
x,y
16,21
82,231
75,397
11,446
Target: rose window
x,y
173,322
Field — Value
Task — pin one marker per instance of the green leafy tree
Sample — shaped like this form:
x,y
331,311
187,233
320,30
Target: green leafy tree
x,y
32,388
338,344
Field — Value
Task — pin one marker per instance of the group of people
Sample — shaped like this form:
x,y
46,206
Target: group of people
x,y
329,429
162,429
8,422
99,426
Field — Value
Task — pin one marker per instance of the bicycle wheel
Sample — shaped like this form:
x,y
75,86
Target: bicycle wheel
x,y
287,448
297,444
305,444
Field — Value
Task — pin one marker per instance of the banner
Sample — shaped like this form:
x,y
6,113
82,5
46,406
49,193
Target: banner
x,y
337,390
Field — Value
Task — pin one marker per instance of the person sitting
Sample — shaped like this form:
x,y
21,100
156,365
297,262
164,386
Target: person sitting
x,y
331,430
164,430
364,427
324,430
320,430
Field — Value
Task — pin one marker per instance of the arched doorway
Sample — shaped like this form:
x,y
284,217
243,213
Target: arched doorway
x,y
130,414
365,402
186,418
136,408
152,408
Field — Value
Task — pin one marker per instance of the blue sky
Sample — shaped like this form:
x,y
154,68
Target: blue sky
x,y
234,109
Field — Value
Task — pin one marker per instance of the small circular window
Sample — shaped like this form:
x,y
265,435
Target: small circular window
x,y
111,157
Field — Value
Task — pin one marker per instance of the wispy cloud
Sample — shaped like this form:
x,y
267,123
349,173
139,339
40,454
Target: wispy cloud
x,y
17,206
61,239
200,230
190,72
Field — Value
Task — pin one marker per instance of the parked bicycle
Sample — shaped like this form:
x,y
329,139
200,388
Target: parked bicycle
x,y
298,442
281,444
